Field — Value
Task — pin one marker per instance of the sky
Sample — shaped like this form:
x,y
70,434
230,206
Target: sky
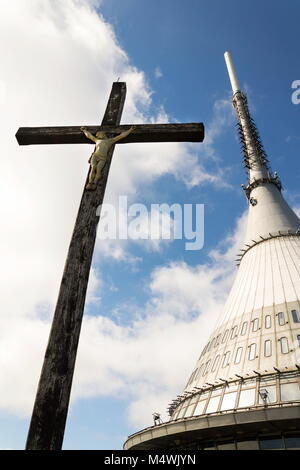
x,y
151,304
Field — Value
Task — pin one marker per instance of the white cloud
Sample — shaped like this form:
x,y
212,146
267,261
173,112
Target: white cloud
x,y
59,58
196,174
157,72
94,288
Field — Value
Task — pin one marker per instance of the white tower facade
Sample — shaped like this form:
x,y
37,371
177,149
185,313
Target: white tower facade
x,y
244,392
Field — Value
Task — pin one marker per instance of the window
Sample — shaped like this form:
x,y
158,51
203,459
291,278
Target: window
x,y
181,413
247,398
244,328
268,321
238,355
199,372
194,399
298,339
225,336
189,411
281,320
284,344
292,442
255,324
271,443
226,359
206,367
228,402
295,315
252,352
200,407
208,347
213,405
268,348
233,332
218,340
290,392
216,363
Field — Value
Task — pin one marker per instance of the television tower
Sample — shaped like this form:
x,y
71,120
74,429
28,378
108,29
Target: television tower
x,y
244,392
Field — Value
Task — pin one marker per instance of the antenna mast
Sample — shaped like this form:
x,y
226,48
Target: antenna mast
x,y
255,157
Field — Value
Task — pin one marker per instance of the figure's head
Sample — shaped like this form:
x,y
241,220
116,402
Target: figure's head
x,y
100,135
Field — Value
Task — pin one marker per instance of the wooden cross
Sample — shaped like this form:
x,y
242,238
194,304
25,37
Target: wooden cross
x,y
49,415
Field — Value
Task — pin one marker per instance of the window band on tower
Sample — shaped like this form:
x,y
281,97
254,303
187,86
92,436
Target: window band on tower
x,y
255,324
284,345
238,355
252,352
244,328
226,359
295,316
268,348
216,363
233,332
205,372
268,321
225,336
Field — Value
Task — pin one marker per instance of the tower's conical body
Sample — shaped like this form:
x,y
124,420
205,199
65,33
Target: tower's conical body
x,y
244,391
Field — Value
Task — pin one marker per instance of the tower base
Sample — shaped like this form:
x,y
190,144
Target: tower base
x,y
256,429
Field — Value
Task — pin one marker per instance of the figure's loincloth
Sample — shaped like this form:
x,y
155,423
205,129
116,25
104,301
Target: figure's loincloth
x,y
95,159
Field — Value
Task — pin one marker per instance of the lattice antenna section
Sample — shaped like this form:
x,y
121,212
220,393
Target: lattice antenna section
x,y
251,144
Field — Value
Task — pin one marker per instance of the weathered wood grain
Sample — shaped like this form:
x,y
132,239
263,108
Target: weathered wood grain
x,y
189,132
49,415
52,400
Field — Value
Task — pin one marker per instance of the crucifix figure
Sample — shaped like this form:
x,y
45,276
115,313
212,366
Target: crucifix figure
x,y
50,410
100,154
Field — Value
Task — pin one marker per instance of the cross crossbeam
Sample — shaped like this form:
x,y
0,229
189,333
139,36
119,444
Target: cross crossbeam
x,y
189,132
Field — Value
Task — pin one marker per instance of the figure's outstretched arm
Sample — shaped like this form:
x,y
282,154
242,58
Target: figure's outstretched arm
x,y
123,135
88,135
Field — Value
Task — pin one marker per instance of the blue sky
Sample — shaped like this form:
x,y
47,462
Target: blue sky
x,y
150,306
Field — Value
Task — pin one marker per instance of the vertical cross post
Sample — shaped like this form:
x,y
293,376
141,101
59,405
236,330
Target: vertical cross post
x,y
49,415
